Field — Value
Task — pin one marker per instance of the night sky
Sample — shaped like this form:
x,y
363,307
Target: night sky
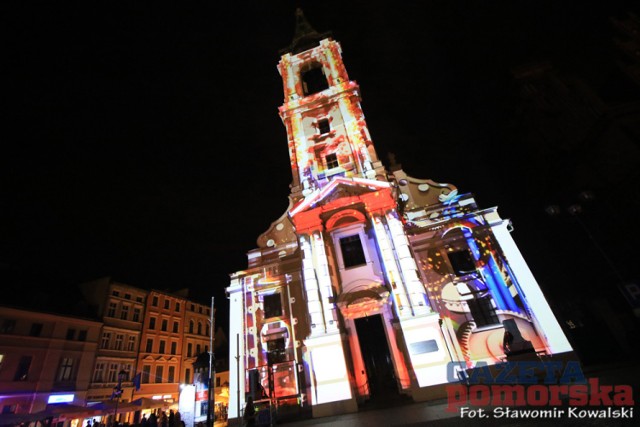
x,y
143,142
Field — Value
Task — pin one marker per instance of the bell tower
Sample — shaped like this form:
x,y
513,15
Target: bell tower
x,y
326,130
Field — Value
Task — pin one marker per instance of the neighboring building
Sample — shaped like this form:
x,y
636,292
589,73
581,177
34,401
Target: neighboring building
x,y
121,308
195,347
160,355
372,281
44,359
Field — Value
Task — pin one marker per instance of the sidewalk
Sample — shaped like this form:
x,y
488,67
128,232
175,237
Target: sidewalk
x,y
411,414
433,413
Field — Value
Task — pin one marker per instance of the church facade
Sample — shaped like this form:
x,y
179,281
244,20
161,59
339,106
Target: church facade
x,y
372,281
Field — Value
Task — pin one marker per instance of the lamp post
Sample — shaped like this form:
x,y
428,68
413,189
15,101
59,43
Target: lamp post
x,y
117,393
211,402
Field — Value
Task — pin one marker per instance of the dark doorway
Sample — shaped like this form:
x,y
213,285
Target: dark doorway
x,y
377,358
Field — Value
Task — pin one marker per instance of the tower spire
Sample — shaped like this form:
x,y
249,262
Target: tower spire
x,y
305,36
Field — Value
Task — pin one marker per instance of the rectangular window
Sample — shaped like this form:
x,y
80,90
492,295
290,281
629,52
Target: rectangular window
x,y
178,307
161,348
176,327
136,315
131,346
187,376
171,374
154,301
323,126
115,293
111,311
98,375
36,329
106,337
71,334
159,374
149,345
127,296
272,305
22,371
189,349
193,307
139,299
152,323
165,324
462,262
197,348
82,336
112,374
66,369
146,373
119,341
8,326
352,252
332,161
124,313
174,347
167,304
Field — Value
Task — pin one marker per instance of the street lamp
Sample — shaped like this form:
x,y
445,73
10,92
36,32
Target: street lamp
x,y
212,375
117,393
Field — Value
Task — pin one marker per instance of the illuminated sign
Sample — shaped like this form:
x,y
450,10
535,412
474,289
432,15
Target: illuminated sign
x,y
61,398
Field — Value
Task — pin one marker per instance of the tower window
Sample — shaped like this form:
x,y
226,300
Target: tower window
x,y
313,80
323,126
332,161
462,262
272,305
352,252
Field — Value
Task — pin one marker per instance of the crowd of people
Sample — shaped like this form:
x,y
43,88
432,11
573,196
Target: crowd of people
x,y
161,419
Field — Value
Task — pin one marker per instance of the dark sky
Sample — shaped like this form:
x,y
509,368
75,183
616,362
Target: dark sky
x,y
143,142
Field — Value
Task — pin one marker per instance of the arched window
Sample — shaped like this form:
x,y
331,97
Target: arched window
x,y
199,328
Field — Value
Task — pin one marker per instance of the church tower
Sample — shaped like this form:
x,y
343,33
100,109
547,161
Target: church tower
x,y
326,130
372,282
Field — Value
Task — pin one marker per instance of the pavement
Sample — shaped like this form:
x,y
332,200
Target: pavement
x,y
433,413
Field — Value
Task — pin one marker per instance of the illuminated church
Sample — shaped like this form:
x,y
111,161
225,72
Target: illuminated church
x,y
372,281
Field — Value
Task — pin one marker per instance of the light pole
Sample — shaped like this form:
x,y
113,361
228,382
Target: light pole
x,y
211,402
117,392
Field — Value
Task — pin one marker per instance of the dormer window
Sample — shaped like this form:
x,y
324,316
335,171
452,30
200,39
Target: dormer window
x,y
332,161
323,126
313,79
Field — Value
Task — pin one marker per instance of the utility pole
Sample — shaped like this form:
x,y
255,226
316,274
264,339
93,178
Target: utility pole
x,y
211,396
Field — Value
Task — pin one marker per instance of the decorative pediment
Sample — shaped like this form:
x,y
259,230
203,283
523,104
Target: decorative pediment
x,y
339,189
